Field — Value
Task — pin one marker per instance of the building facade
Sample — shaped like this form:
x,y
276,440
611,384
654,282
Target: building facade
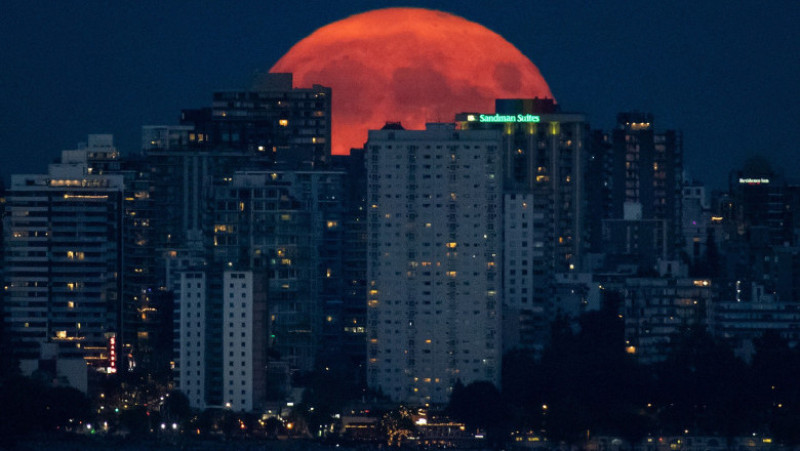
x,y
288,225
63,261
656,310
545,162
636,189
434,260
220,344
189,364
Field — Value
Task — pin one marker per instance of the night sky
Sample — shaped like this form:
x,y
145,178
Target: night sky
x,y
725,73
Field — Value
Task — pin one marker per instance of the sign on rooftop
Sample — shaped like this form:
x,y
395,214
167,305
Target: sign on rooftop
x,y
502,118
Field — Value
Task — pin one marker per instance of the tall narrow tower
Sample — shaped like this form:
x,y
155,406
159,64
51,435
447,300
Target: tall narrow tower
x,y
434,260
544,159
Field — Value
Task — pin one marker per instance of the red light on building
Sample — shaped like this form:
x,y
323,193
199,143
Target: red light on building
x,y
112,354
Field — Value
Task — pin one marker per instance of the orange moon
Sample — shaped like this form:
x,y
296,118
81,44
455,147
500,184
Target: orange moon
x,y
411,65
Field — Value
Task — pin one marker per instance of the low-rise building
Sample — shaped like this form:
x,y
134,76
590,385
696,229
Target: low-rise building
x,y
657,309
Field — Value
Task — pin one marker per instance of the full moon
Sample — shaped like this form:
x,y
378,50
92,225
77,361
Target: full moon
x,y
410,65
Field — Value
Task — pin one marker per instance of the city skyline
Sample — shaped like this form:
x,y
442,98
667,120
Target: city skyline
x,y
702,71
610,262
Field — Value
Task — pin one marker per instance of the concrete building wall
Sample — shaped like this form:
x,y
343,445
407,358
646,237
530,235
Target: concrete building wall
x,y
434,261
190,337
237,344
62,261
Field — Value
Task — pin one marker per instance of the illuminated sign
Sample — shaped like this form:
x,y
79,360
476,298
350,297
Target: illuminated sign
x,y
749,181
112,355
503,118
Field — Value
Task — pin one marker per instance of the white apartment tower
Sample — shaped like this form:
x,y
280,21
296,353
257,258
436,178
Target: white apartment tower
x,y
434,260
220,338
190,337
521,248
237,336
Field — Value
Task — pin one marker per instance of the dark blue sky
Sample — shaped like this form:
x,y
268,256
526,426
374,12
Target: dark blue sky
x,y
725,73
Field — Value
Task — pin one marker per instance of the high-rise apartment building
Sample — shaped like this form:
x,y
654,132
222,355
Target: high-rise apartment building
x,y
189,371
220,340
181,176
434,260
696,219
757,221
759,203
353,310
288,225
545,161
272,119
648,170
269,126
638,193
272,124
63,259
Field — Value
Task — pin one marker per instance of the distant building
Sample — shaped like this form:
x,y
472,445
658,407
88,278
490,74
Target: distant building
x,y
636,191
5,347
758,202
189,370
740,323
648,172
182,173
696,219
635,240
353,313
288,225
142,338
786,272
189,212
656,310
56,371
545,161
221,340
272,124
63,260
146,309
434,260
756,221
577,293
272,119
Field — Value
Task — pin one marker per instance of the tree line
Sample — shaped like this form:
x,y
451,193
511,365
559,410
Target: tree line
x,y
585,384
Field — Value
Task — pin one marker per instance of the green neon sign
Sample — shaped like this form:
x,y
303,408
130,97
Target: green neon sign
x,y
503,118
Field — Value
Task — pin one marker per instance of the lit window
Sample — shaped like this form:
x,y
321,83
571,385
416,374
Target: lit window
x,y
74,255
